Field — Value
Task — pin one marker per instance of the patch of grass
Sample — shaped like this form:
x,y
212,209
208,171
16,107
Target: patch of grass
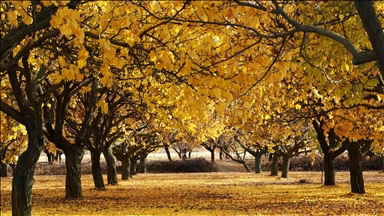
x,y
204,194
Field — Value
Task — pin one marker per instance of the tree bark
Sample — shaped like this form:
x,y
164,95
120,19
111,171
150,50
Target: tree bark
x,y
213,156
329,169
111,166
275,164
258,163
23,173
168,153
286,164
329,150
4,170
125,167
382,162
73,157
133,166
355,169
246,166
374,30
96,170
143,164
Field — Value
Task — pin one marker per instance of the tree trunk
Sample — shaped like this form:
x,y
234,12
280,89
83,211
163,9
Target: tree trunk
x,y
50,158
133,166
258,163
329,169
275,164
23,173
246,166
125,167
96,170
168,153
286,163
382,162
143,164
111,166
73,157
213,156
4,170
355,169
374,30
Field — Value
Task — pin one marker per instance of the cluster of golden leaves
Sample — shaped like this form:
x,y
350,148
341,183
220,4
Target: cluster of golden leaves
x,y
205,194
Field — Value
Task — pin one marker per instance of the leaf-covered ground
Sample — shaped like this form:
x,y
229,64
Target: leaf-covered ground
x,y
206,194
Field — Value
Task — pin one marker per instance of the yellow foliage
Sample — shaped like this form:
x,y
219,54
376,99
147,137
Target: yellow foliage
x,y
103,106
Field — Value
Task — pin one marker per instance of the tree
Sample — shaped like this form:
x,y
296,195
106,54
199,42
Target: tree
x,y
229,145
208,50
210,145
331,148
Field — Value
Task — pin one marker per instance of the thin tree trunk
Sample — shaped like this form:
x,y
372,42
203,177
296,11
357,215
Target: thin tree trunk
x,y
50,158
246,166
286,164
23,174
96,170
125,167
329,169
355,169
111,166
168,153
4,170
73,157
275,164
213,156
258,163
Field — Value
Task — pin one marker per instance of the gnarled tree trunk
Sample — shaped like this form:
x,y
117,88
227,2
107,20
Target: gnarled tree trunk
x,y
111,166
96,170
73,157
355,169
23,173
329,169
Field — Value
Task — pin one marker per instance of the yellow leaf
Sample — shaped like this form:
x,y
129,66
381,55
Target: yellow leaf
x,y
148,71
220,107
62,62
247,105
346,66
103,106
81,63
152,56
105,43
12,17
